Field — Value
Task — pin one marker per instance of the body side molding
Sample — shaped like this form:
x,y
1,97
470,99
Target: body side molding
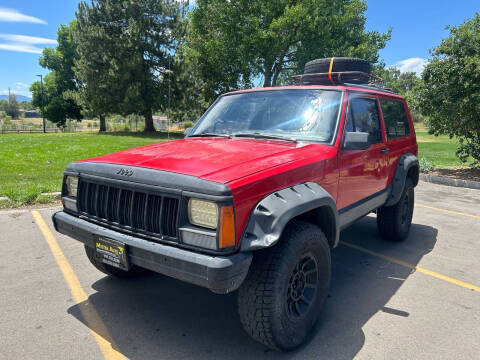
x,y
356,211
272,214
405,163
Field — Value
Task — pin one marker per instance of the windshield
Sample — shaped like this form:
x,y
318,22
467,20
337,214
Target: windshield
x,y
304,115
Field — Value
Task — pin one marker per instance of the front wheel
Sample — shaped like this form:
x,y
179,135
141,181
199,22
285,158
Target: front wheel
x,y
394,222
286,287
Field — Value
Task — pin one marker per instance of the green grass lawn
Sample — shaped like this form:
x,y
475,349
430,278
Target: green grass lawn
x,y
32,164
438,149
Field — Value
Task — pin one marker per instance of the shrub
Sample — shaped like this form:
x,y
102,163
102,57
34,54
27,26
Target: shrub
x,y
416,116
450,94
426,166
187,124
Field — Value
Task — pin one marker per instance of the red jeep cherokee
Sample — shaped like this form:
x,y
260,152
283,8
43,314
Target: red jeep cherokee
x,y
255,196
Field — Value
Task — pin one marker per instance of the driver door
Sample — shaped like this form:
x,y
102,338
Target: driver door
x,y
362,172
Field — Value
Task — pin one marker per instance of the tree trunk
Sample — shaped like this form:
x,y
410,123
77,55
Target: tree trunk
x,y
149,122
103,124
276,74
268,76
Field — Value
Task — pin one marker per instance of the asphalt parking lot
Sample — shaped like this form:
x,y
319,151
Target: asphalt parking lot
x,y
414,300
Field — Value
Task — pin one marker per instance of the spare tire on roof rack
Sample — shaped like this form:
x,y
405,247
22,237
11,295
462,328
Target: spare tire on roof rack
x,y
339,64
336,71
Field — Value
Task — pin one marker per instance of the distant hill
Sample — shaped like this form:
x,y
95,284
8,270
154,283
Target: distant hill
x,y
20,98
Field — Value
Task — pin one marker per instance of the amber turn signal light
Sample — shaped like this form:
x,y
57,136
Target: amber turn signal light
x,y
227,228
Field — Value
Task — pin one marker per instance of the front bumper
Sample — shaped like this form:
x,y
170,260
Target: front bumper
x,y
221,274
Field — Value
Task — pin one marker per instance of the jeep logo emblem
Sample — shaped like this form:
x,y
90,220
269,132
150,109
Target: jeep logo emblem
x,y
125,172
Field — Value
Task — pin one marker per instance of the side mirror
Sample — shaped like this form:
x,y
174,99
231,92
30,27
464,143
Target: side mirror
x,y
187,131
356,141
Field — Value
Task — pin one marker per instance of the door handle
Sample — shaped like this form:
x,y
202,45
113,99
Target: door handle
x,y
385,151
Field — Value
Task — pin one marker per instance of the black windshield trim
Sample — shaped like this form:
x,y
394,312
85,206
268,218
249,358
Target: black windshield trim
x,y
256,135
211,135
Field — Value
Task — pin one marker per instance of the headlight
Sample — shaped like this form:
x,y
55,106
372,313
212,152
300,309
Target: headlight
x,y
203,213
72,186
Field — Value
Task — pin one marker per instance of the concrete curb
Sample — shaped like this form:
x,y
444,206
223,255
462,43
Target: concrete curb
x,y
450,182
57,195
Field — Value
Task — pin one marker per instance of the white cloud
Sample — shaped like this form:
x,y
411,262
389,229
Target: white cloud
x,y
24,43
21,85
413,64
21,48
12,15
27,39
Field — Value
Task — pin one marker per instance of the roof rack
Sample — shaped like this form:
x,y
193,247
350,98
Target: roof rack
x,y
355,78
372,87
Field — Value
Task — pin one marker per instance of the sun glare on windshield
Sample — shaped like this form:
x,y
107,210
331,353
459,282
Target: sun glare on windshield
x,y
303,115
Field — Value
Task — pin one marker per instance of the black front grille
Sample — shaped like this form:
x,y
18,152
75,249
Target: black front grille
x,y
132,210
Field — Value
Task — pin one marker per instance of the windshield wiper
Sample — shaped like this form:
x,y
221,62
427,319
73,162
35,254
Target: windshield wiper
x,y
257,135
210,135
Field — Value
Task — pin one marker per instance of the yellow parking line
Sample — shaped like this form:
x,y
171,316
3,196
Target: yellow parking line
x,y
447,211
79,295
414,267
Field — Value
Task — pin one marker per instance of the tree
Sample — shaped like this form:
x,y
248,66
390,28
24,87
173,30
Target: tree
x,y
450,95
125,48
54,96
3,105
237,41
12,107
401,83
406,84
27,105
186,96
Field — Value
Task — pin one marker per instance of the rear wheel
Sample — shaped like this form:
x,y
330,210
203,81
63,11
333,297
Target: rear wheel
x,y
111,270
286,287
394,222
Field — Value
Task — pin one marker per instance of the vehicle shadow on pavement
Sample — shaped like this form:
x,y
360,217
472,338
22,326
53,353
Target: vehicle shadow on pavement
x,y
158,317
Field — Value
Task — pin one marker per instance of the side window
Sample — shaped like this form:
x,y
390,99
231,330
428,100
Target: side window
x,y
363,117
396,119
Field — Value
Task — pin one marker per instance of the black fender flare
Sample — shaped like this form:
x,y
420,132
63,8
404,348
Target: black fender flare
x,y
404,164
269,218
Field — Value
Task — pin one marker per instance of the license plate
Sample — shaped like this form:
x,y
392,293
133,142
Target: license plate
x,y
112,253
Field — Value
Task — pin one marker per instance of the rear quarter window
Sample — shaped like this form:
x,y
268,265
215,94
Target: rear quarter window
x,y
395,117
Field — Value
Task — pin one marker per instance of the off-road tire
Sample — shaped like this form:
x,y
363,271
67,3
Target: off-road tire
x,y
111,270
394,222
267,292
339,64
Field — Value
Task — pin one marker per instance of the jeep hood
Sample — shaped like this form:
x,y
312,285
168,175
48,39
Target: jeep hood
x,y
217,159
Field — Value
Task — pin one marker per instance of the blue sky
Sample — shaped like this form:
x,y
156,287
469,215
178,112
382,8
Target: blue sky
x,y
26,26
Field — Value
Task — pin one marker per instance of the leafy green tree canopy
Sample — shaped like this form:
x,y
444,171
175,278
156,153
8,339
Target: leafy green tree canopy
x,y
451,92
401,83
53,96
125,48
237,41
12,107
406,84
3,105
27,105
